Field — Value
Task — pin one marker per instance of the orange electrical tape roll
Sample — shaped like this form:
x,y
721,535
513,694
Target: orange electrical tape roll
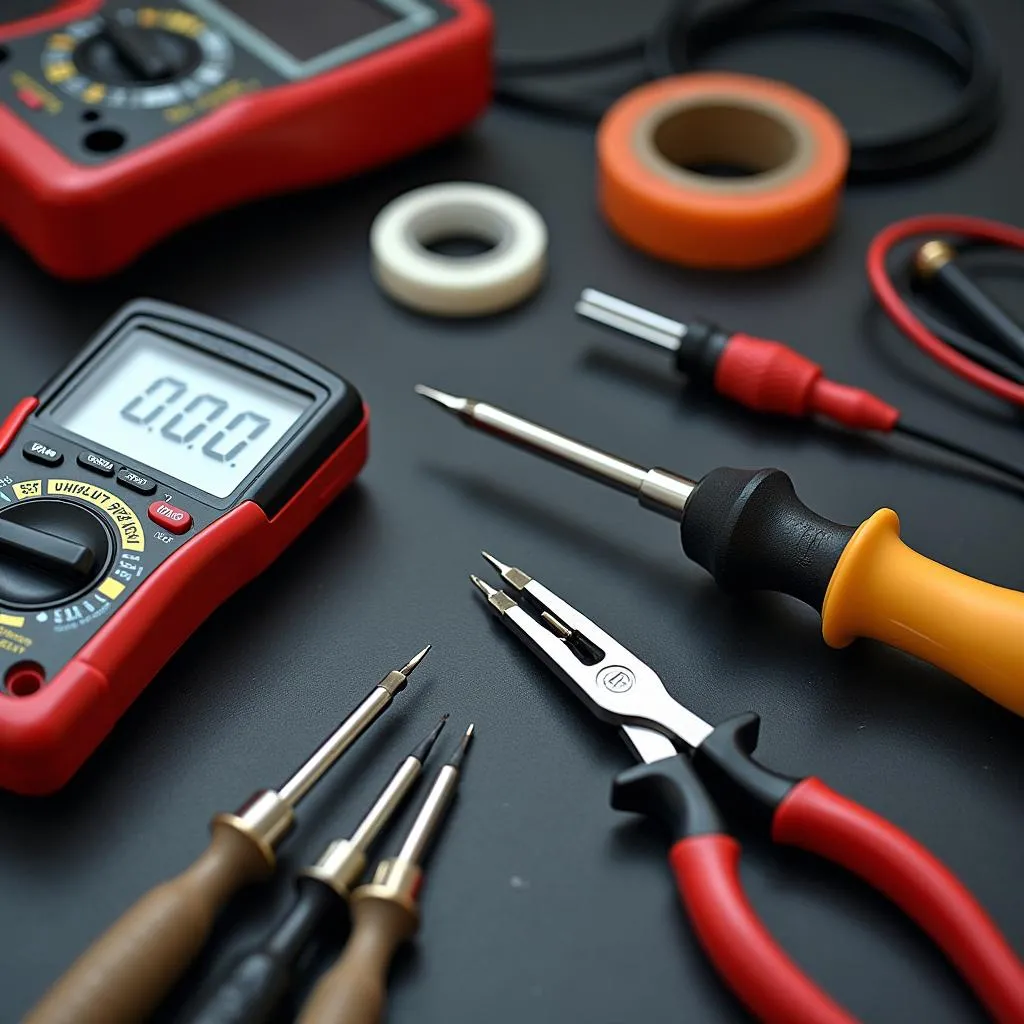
x,y
652,139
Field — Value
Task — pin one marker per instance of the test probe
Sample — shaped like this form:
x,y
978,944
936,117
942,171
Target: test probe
x,y
385,914
995,368
688,792
123,975
750,531
256,986
765,376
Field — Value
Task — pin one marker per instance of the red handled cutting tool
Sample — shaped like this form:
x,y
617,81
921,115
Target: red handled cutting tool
x,y
685,790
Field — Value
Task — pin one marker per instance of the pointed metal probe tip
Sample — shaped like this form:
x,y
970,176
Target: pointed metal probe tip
x,y
408,669
460,751
453,403
422,752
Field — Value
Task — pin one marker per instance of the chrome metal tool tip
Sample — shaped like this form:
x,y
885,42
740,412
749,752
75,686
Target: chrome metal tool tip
x,y
408,669
501,567
453,403
509,573
484,587
460,751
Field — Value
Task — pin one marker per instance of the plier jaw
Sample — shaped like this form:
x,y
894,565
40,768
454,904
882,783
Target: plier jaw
x,y
616,685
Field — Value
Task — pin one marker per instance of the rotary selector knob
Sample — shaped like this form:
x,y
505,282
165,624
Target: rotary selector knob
x,y
136,55
51,550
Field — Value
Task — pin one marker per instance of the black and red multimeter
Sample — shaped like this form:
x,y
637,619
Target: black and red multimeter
x,y
166,466
122,121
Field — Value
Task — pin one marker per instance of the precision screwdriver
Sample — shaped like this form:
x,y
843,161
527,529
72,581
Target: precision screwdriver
x,y
384,915
255,988
749,530
126,972
766,376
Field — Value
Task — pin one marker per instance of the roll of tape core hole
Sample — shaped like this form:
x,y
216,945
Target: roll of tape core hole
x,y
459,249
720,145
786,156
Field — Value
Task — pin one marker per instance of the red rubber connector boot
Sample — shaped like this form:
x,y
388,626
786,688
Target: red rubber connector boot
x,y
767,376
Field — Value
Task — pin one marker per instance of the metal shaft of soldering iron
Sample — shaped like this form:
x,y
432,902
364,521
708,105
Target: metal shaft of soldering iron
x,y
254,989
656,489
384,915
748,528
123,975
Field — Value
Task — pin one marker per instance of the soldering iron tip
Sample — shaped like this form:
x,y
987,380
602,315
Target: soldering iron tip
x,y
460,751
407,670
423,750
450,402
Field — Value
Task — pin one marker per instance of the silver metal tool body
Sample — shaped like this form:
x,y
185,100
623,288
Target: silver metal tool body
x,y
618,687
633,320
659,490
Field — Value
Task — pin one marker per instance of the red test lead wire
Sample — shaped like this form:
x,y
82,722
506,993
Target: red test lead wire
x,y
973,228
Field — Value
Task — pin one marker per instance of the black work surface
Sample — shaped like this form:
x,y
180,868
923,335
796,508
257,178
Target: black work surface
x,y
542,904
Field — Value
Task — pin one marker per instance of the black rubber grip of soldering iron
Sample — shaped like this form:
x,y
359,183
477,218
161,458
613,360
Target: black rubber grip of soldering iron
x,y
749,530
258,983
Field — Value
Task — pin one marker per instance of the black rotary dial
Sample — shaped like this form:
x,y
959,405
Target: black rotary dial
x,y
135,55
50,551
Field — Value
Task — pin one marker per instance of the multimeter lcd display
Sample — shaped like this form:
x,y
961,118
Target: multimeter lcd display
x,y
183,412
299,38
307,28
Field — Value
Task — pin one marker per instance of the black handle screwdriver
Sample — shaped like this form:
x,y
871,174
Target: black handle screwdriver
x,y
385,914
748,528
127,971
258,983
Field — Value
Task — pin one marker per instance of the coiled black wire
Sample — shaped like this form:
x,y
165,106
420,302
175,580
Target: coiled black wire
x,y
942,29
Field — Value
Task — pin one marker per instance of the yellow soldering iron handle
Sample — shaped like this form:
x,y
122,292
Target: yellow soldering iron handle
x,y
882,589
749,529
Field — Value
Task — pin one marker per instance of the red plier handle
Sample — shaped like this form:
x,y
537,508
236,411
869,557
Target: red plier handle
x,y
808,814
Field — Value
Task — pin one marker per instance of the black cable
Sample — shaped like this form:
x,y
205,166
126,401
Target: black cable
x,y
972,454
511,66
979,351
942,29
592,105
968,346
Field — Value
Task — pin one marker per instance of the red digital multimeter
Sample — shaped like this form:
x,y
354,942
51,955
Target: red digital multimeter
x,y
169,464
122,121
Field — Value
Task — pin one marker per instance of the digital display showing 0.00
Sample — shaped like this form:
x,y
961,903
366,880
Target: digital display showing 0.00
x,y
181,411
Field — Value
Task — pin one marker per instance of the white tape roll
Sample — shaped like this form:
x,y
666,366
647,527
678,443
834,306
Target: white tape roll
x,y
426,281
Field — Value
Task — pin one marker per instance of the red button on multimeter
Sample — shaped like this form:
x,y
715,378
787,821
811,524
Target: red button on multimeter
x,y
244,442
121,121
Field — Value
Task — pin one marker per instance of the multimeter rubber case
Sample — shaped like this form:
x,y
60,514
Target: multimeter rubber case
x,y
171,462
122,121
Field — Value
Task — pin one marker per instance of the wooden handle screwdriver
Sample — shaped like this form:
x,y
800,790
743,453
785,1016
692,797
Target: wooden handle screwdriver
x,y
384,915
254,989
749,530
125,974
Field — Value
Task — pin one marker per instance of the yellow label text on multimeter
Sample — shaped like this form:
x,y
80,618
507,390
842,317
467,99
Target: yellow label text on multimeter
x,y
126,521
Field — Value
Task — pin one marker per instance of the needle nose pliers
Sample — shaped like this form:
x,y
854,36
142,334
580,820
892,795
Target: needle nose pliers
x,y
687,792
